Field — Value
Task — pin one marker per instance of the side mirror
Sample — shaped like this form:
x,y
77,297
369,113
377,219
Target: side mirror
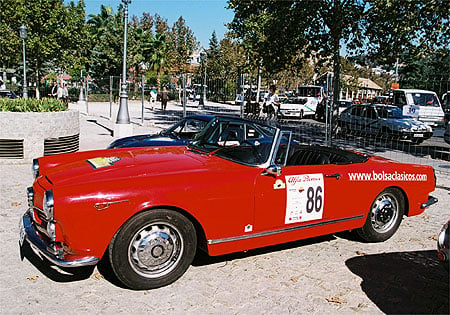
x,y
273,170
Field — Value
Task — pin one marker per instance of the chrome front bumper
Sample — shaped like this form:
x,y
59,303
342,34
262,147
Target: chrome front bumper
x,y
28,233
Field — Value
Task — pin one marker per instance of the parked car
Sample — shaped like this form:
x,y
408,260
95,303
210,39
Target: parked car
x,y
447,133
240,185
344,104
383,121
295,107
421,104
443,244
7,94
179,134
382,99
446,107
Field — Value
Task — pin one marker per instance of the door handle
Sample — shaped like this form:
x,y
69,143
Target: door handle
x,y
337,175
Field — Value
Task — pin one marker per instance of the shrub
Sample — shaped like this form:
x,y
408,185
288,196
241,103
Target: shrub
x,y
31,105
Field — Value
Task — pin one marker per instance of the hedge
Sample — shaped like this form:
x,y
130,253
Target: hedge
x,y
32,105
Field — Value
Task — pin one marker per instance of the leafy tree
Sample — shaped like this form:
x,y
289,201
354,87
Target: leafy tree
x,y
75,56
386,29
10,43
231,52
50,26
158,56
107,35
398,27
183,44
282,29
140,41
213,57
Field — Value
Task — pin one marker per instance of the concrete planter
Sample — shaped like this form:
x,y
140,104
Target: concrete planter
x,y
24,136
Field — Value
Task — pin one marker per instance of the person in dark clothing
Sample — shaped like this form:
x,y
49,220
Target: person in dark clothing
x,y
164,99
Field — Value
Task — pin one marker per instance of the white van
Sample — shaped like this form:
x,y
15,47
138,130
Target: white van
x,y
420,104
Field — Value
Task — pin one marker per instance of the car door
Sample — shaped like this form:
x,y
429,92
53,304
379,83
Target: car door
x,y
302,195
371,125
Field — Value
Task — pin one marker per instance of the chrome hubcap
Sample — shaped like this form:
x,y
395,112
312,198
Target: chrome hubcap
x,y
155,250
384,213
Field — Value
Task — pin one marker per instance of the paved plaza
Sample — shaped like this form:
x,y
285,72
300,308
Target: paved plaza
x,y
333,274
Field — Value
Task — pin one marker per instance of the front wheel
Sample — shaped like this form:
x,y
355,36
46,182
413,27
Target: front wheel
x,y
153,249
385,215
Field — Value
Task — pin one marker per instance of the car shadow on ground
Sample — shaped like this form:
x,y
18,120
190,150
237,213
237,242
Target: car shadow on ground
x,y
202,258
51,271
404,282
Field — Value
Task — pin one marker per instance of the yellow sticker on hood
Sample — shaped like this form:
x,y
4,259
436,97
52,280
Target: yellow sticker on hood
x,y
103,161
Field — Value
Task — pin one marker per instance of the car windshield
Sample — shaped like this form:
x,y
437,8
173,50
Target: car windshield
x,y
423,99
238,140
186,128
390,112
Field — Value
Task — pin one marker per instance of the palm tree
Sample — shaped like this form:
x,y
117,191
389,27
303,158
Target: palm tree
x,y
157,53
100,22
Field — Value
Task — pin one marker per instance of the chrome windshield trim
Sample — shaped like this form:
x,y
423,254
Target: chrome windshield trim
x,y
289,229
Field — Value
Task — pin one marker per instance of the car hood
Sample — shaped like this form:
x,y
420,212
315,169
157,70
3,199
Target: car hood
x,y
147,141
116,164
406,123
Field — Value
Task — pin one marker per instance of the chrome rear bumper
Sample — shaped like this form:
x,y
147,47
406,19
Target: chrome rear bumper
x,y
431,201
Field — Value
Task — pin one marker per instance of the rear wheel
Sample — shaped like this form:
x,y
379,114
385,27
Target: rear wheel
x,y
385,215
153,249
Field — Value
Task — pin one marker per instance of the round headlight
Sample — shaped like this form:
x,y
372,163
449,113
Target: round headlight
x,y
47,205
35,168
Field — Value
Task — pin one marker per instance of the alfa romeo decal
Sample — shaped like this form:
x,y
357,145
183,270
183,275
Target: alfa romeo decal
x,y
305,198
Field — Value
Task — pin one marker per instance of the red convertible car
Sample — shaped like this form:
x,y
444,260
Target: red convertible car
x,y
239,185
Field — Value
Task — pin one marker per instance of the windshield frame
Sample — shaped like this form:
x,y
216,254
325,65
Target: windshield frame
x,y
215,149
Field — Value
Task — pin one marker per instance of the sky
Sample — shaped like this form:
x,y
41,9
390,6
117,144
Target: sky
x,y
201,16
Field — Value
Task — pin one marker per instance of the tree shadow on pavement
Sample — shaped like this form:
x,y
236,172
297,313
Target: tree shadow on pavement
x,y
53,272
404,282
202,258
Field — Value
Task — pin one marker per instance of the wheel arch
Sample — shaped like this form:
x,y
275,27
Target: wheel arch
x,y
200,232
404,195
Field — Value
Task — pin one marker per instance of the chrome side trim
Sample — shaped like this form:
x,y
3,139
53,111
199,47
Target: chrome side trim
x,y
290,229
431,201
27,232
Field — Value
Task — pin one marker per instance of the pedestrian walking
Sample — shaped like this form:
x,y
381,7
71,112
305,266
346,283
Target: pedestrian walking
x,y
271,105
59,92
54,90
164,98
65,95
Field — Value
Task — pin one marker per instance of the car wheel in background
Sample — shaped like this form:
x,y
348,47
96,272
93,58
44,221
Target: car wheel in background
x,y
385,215
153,249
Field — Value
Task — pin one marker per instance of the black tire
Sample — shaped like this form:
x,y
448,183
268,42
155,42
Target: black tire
x,y
153,249
385,216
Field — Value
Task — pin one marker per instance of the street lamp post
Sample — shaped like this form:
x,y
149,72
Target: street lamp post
x,y
23,35
204,59
123,116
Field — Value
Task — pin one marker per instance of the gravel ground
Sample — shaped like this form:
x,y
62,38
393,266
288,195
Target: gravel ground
x,y
329,274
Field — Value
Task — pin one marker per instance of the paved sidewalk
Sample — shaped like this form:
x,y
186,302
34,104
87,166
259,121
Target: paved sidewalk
x,y
325,275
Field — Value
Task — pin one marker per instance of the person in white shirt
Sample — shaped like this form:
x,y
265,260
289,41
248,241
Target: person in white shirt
x,y
271,104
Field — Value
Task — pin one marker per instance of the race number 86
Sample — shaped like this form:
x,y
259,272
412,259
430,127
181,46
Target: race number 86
x,y
314,199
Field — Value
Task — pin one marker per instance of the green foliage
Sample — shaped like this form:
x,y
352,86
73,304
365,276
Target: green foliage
x,y
31,105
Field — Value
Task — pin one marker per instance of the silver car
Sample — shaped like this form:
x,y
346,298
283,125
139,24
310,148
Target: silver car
x,y
384,121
